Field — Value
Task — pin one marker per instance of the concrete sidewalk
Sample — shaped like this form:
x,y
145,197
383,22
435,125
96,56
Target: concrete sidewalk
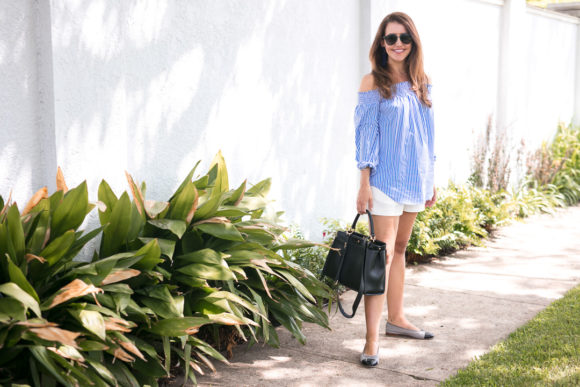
x,y
470,301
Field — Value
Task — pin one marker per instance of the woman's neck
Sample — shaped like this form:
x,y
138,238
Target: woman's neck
x,y
398,72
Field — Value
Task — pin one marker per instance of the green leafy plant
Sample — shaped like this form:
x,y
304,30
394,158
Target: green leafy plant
x,y
52,327
216,262
206,258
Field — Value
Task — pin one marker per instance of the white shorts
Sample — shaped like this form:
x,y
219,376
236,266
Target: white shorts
x,y
385,206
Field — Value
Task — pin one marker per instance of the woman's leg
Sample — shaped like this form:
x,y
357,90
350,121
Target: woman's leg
x,y
386,231
397,273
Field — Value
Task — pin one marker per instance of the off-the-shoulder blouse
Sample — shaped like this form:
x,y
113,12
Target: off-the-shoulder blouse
x,y
395,138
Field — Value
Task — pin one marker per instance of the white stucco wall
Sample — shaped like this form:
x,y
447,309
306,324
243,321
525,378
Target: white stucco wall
x,y
549,72
152,87
26,148
99,87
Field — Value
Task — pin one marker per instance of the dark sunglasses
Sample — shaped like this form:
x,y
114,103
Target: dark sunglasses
x,y
391,39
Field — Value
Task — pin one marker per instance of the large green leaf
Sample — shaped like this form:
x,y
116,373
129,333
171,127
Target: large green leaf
x,y
208,349
212,272
123,375
115,234
177,227
14,291
70,213
108,197
37,235
176,327
288,321
17,277
220,181
163,309
91,320
225,295
231,211
4,241
136,224
103,372
98,270
260,189
183,203
11,308
293,244
42,356
234,197
82,241
167,246
185,181
151,253
58,247
206,256
16,233
208,205
221,230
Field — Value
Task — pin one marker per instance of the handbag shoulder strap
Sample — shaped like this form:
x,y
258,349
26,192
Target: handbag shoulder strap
x,y
354,305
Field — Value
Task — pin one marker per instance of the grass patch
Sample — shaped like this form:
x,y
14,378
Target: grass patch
x,y
545,351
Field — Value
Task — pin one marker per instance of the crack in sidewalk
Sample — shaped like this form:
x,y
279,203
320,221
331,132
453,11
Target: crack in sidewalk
x,y
319,354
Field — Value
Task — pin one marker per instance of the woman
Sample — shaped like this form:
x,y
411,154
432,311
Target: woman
x,y
394,138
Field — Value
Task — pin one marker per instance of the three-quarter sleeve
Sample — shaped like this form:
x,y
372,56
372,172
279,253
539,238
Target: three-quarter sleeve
x,y
366,119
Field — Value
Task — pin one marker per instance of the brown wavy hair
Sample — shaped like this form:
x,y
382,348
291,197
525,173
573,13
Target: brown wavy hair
x,y
382,74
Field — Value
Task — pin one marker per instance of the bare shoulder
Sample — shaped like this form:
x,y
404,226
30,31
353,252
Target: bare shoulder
x,y
367,83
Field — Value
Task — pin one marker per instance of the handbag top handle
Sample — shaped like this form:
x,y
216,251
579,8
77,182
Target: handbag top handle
x,y
372,226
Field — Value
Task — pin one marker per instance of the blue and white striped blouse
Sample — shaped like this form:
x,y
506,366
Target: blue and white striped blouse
x,y
395,138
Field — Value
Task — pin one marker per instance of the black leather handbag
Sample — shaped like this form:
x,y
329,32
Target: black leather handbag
x,y
358,262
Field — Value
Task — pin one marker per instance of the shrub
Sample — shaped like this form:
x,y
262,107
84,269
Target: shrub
x,y
205,258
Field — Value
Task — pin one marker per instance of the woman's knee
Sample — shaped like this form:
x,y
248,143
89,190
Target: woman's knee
x,y
400,247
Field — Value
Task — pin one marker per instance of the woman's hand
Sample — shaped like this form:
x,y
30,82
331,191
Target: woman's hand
x,y
430,203
364,199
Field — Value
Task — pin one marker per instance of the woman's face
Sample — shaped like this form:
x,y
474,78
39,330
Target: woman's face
x,y
399,51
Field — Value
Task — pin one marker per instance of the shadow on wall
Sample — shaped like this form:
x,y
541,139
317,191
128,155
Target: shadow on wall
x,y
152,88
21,166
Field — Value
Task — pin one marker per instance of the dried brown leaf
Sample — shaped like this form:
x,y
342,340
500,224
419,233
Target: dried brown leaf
x,y
192,330
205,361
131,348
191,212
34,324
60,183
135,191
263,264
30,257
46,237
101,206
56,334
124,356
67,352
242,195
196,367
264,283
36,198
117,324
77,288
120,275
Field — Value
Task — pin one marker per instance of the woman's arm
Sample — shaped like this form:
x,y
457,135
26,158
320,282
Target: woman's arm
x,y
365,196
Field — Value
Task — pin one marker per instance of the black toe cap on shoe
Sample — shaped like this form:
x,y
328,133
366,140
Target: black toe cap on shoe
x,y
369,362
428,335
